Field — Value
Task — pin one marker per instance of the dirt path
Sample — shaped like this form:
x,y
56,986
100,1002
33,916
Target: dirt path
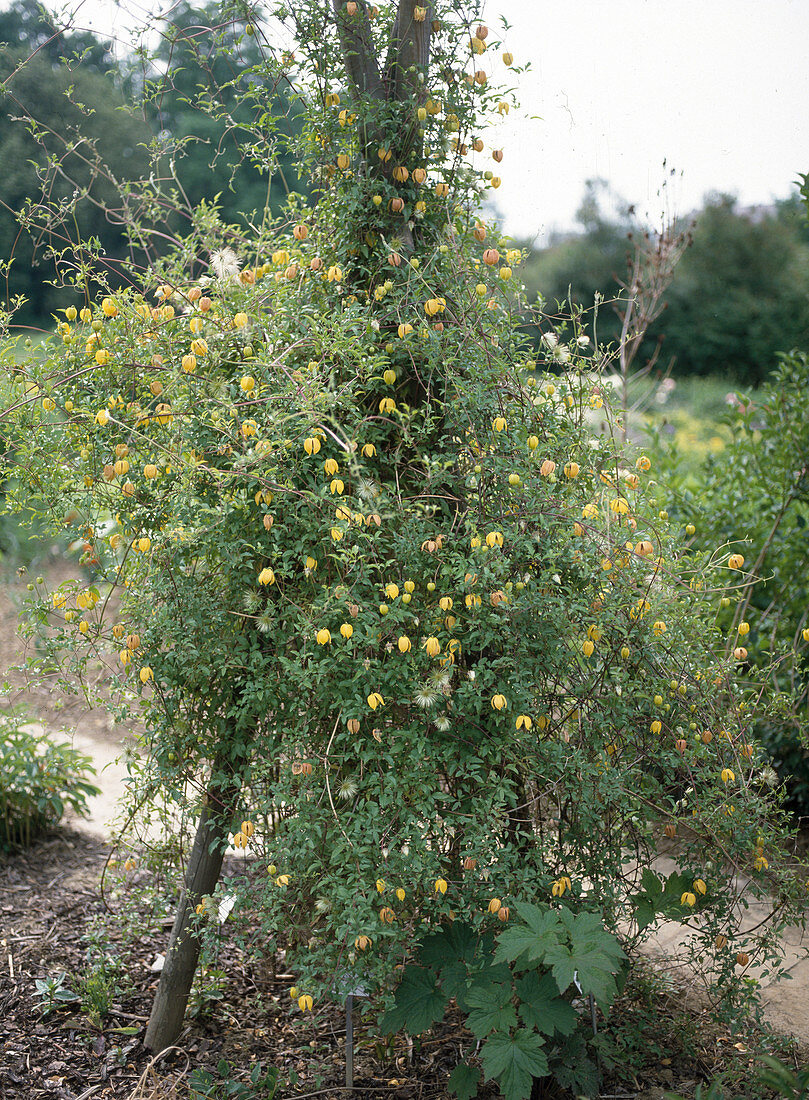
x,y
92,731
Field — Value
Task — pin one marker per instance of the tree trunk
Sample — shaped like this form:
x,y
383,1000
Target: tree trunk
x,y
182,954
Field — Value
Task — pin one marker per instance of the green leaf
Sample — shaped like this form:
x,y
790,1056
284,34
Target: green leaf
x,y
542,1007
529,942
514,1062
464,1081
490,1008
457,941
573,1068
419,1003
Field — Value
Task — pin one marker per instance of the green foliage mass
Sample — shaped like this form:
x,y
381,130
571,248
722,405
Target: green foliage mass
x,y
753,496
389,600
87,127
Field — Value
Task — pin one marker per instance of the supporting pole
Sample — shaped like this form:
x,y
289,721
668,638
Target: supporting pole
x,y
182,954
349,1043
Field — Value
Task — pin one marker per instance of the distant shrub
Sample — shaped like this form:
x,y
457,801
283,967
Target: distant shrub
x,y
39,779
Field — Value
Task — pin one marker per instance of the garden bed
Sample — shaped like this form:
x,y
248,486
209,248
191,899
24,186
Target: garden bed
x,y
50,903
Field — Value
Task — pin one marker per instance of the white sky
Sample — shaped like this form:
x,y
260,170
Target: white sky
x,y
717,88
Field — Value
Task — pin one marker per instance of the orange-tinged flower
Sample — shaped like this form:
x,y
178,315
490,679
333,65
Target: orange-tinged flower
x,y
494,905
387,915
362,943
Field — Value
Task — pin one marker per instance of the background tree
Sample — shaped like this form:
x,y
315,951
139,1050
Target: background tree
x,y
77,119
739,293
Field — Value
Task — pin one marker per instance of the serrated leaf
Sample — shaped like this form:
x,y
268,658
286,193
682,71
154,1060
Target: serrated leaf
x,y
574,1070
651,882
594,973
644,914
514,1062
464,1081
542,1007
499,974
490,1008
419,1003
456,941
528,942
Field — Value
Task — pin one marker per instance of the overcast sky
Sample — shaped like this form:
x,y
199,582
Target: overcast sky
x,y
719,89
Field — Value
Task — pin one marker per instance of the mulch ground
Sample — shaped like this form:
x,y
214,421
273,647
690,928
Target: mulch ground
x,y
50,900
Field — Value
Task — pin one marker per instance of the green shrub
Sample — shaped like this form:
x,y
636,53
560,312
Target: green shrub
x,y
753,498
383,595
39,779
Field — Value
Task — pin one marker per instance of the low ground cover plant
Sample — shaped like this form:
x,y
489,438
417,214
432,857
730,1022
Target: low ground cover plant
x,y
40,777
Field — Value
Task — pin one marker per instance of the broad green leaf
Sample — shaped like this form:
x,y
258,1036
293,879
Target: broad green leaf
x,y
573,1068
499,974
542,1007
419,1003
594,973
514,1062
490,1008
456,941
651,882
464,1081
528,942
